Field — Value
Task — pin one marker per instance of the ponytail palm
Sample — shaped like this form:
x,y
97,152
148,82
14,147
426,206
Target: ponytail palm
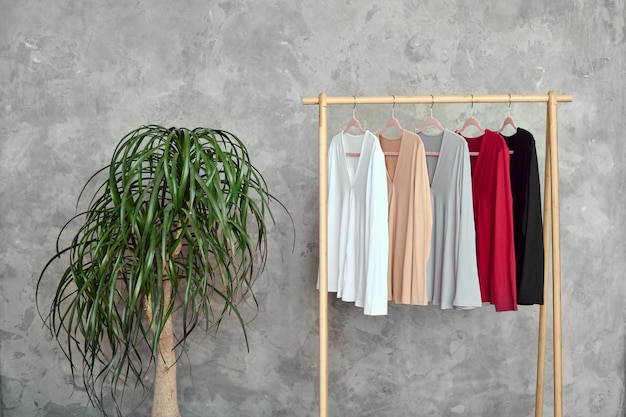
x,y
177,226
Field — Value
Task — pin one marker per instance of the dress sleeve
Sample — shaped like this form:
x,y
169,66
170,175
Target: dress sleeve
x,y
423,228
504,290
467,292
333,221
530,283
375,302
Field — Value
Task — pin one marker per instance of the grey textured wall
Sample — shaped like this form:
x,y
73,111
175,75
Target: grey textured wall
x,y
75,76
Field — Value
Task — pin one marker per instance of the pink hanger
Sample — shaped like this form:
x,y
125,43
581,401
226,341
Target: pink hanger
x,y
431,121
354,122
509,120
392,121
472,121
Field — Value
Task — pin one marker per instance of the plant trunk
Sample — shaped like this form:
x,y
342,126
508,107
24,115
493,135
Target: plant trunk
x,y
165,401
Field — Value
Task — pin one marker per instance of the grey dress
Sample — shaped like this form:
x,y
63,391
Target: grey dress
x,y
452,268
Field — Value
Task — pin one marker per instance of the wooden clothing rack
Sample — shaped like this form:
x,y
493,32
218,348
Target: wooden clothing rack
x,y
551,232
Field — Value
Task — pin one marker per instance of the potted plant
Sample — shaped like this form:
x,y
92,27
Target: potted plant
x,y
177,226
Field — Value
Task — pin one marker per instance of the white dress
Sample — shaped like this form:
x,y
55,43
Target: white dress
x,y
452,267
358,242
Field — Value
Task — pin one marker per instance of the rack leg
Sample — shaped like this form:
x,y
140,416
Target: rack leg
x,y
543,309
323,256
556,257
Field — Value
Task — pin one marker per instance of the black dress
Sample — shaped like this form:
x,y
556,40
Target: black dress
x,y
527,219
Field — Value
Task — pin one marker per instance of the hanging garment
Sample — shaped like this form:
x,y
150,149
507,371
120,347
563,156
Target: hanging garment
x,y
493,215
410,218
527,221
357,222
452,270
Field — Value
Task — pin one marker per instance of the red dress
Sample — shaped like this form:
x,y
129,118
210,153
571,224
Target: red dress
x,y
493,216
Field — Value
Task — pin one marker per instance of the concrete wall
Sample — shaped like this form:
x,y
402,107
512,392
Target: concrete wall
x,y
75,76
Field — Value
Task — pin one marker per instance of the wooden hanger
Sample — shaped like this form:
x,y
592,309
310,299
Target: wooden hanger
x,y
472,121
354,122
509,120
431,121
392,121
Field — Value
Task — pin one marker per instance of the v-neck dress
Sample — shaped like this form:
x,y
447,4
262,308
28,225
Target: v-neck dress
x,y
452,269
357,222
527,217
493,216
410,218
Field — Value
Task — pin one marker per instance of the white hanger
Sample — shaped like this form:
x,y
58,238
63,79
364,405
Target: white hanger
x,y
354,122
472,121
509,120
392,121
431,121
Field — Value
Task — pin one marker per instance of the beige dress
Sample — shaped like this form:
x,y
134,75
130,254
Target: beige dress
x,y
410,218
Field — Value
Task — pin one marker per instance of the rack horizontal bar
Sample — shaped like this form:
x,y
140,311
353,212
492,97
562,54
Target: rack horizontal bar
x,y
468,98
